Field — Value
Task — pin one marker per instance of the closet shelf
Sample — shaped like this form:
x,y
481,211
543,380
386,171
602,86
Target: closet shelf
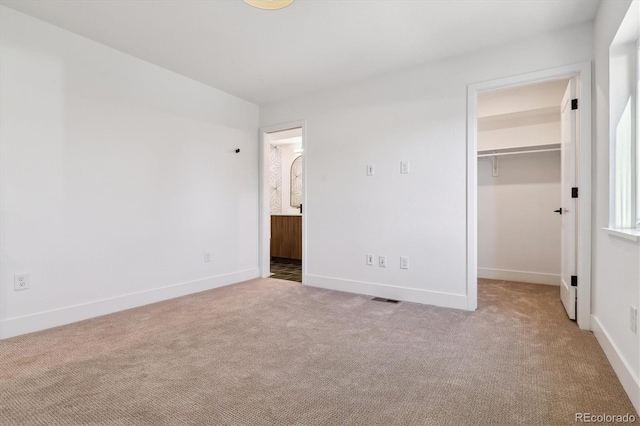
x,y
518,150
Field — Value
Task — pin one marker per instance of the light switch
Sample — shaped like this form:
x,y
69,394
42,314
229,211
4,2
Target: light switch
x,y
370,170
404,167
404,262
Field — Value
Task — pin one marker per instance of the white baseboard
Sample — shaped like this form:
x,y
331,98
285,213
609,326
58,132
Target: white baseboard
x,y
447,300
11,327
629,380
519,276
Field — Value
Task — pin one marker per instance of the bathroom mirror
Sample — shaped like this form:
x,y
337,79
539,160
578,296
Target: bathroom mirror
x,y
296,183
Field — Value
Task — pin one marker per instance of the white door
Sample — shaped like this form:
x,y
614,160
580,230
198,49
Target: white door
x,y
568,203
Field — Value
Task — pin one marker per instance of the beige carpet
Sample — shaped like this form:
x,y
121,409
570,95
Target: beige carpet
x,y
271,352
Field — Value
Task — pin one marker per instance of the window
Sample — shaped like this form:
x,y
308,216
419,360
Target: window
x,y
624,109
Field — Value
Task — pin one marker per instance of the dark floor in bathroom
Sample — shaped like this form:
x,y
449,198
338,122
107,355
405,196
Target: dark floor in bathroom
x,y
286,269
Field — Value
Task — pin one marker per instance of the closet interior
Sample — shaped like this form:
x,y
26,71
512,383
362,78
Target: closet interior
x,y
519,179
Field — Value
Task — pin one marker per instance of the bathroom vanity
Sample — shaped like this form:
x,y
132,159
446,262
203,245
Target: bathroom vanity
x,y
286,236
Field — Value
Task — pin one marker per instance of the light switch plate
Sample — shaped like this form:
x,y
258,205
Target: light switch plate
x,y
404,167
370,170
404,262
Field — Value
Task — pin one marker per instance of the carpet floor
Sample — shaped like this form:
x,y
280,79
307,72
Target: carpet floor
x,y
273,352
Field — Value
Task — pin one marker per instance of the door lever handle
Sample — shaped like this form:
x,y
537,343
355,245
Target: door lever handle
x,y
558,211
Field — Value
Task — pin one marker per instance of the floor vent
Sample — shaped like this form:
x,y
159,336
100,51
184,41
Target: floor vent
x,y
382,299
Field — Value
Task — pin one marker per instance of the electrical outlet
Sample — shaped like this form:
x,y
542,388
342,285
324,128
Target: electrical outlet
x,y
370,170
207,256
404,262
370,259
21,281
382,261
633,319
404,167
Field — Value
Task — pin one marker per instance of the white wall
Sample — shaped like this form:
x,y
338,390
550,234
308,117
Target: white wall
x,y
418,115
616,261
518,232
116,175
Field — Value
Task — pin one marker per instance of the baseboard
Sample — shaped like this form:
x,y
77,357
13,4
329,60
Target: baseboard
x,y
629,380
447,300
519,276
42,320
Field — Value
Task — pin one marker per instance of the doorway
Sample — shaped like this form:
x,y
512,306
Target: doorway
x,y
283,204
520,181
515,157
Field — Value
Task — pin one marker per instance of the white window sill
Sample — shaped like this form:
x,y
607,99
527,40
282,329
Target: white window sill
x,y
629,234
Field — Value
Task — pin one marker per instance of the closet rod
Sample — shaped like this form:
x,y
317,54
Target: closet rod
x,y
499,154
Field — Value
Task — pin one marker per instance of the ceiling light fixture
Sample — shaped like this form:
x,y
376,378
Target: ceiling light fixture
x,y
269,4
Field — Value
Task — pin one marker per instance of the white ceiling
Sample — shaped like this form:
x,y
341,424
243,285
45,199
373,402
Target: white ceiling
x,y
264,56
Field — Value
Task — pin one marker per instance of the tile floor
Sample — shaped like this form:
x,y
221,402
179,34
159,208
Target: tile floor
x,y
286,269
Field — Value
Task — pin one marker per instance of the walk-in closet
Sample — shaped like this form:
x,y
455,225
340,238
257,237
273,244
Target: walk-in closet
x,y
519,183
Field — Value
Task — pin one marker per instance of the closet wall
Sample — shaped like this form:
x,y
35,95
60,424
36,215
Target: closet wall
x,y
518,231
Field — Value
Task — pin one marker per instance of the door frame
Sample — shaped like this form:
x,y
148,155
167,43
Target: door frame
x,y
264,244
582,71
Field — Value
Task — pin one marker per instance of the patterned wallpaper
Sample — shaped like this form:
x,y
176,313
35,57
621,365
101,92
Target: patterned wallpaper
x,y
275,179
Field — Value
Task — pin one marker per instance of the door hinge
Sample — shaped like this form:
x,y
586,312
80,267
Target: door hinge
x,y
574,281
574,192
574,104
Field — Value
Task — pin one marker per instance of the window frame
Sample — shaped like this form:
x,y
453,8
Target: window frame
x,y
624,166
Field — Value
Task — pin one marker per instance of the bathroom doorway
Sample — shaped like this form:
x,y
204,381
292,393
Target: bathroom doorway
x,y
283,204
